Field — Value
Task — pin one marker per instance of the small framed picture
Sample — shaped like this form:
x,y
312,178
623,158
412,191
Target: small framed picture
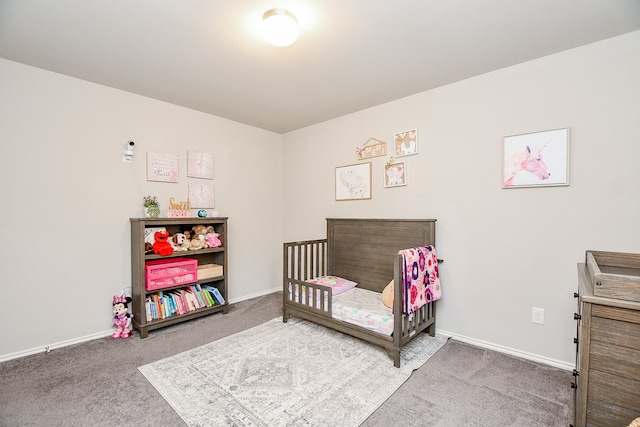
x,y
406,143
395,174
539,159
199,165
353,182
162,167
201,195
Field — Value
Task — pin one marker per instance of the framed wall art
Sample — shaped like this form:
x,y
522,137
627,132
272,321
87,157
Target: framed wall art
x,y
201,195
539,159
395,174
405,143
162,167
199,165
353,182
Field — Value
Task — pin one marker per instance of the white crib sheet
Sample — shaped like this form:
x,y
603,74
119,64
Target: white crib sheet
x,y
363,308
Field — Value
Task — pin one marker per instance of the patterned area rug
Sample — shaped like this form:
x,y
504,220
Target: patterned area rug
x,y
284,374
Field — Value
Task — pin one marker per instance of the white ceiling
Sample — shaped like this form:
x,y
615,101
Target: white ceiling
x,y
351,54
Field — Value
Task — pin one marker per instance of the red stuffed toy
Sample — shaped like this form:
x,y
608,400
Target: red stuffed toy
x,y
162,245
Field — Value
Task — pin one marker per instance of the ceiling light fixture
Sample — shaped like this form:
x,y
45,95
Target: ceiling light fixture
x,y
280,27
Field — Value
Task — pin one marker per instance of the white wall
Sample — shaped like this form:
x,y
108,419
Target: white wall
x,y
67,198
505,251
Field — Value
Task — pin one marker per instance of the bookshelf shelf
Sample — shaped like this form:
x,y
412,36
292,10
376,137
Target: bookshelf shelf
x,y
210,256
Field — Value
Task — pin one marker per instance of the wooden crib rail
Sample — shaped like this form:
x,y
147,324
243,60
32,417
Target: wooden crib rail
x,y
310,296
304,260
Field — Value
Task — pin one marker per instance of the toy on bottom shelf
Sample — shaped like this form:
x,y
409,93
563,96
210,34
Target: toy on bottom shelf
x,y
162,245
122,318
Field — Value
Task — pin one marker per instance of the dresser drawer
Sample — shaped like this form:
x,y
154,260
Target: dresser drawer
x,y
616,332
615,390
614,359
603,414
617,313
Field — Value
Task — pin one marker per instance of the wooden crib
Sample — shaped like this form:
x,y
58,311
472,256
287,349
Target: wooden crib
x,y
364,251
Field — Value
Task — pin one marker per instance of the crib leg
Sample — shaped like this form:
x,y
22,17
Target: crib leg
x,y
432,329
395,355
285,316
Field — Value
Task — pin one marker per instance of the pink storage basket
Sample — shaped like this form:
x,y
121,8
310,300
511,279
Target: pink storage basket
x,y
167,273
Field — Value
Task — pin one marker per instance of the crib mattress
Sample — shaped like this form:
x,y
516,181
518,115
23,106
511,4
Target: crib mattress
x,y
363,308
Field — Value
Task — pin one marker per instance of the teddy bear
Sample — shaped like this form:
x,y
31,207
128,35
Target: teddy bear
x,y
198,232
122,318
162,246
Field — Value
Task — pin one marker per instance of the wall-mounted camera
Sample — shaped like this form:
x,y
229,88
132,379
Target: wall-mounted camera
x,y
128,153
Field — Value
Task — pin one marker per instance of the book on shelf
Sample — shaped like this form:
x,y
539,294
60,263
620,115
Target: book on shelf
x,y
216,294
164,304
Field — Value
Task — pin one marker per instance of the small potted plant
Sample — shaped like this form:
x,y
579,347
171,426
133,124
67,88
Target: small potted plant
x,y
151,207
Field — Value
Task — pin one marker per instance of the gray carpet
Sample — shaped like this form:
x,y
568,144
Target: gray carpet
x,y
98,383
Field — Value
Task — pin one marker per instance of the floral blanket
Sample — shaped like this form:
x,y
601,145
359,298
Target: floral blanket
x,y
420,277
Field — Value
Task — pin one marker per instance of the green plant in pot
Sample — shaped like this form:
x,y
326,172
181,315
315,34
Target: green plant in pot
x,y
151,207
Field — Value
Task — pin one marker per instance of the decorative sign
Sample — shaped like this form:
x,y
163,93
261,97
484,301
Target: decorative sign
x,y
199,165
372,148
178,210
201,195
162,167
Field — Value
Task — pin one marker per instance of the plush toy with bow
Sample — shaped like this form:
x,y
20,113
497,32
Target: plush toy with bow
x,y
122,317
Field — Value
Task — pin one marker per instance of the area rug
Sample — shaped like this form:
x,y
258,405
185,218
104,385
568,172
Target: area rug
x,y
284,374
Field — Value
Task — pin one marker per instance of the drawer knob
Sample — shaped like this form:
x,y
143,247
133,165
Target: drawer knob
x,y
576,316
575,373
598,283
574,385
575,341
576,295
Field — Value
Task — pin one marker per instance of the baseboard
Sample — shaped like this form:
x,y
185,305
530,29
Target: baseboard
x,y
48,348
513,352
257,294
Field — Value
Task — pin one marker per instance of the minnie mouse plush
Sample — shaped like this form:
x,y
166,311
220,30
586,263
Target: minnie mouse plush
x,y
122,318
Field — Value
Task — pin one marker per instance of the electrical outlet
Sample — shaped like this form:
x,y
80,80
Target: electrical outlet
x,y
537,315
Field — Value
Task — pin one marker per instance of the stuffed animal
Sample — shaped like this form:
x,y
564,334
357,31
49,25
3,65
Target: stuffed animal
x,y
194,245
122,318
162,245
148,248
198,232
177,242
212,238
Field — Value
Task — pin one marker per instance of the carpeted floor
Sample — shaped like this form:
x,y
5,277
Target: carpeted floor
x,y
97,383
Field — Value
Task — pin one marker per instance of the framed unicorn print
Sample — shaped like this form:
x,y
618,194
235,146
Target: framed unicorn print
x,y
539,159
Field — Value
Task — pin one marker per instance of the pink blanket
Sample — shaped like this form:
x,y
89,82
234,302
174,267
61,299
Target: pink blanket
x,y
421,279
